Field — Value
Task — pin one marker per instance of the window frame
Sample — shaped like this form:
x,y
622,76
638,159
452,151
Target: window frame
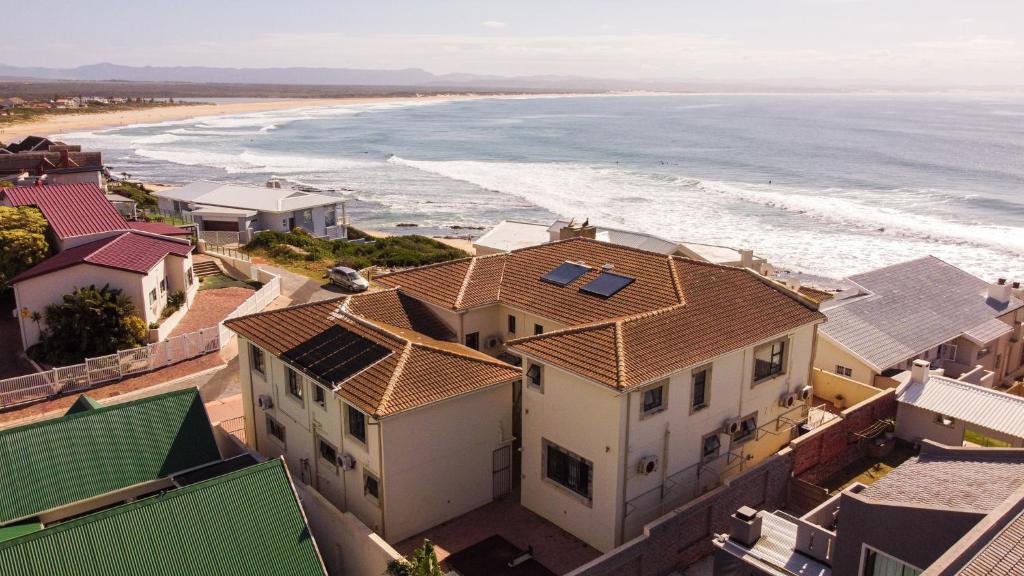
x,y
257,359
867,550
742,437
706,369
349,411
844,371
704,458
662,405
546,446
367,475
319,396
320,443
152,297
941,418
272,423
538,329
947,346
783,361
294,379
511,325
472,340
539,386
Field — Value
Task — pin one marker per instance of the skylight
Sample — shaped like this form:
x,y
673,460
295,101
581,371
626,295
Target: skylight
x,y
565,274
607,284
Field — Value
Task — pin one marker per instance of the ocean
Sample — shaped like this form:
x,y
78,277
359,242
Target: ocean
x,y
828,185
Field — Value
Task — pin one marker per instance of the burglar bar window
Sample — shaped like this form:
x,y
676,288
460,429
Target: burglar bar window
x,y
769,360
567,469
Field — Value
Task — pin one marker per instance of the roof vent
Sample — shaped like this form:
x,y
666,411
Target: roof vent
x,y
920,371
608,267
745,526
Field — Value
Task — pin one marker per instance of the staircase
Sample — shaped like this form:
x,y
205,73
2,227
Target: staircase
x,y
205,268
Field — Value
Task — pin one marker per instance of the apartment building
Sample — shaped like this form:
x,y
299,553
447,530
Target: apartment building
x,y
923,309
369,403
645,378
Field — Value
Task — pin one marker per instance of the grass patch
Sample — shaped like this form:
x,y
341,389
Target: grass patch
x,y
217,281
867,470
982,440
140,194
303,254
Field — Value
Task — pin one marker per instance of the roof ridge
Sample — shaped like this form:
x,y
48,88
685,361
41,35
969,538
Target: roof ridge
x,y
677,284
110,240
282,310
603,323
465,283
434,265
395,375
620,356
980,389
482,358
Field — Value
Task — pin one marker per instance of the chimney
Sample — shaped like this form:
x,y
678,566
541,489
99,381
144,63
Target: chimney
x,y
64,158
746,258
920,371
745,526
573,230
273,184
999,292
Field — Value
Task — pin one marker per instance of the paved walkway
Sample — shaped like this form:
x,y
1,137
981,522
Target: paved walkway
x,y
210,307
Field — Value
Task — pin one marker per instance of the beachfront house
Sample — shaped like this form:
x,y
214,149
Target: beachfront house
x,y
247,210
645,378
94,245
923,309
39,160
511,235
370,404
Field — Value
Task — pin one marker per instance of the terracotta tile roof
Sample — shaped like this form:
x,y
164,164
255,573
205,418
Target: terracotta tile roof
x,y
71,209
515,279
129,251
419,370
725,308
393,308
818,296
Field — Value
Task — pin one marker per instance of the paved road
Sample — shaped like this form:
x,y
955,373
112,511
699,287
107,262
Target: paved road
x,y
302,289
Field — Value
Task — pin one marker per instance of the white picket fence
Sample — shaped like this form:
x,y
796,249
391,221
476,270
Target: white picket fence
x,y
96,371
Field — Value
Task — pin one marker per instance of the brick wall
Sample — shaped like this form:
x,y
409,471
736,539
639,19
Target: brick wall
x,y
827,450
684,536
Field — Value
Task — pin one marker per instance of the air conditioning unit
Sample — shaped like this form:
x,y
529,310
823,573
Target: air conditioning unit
x,y
647,465
346,461
788,400
731,426
265,402
494,342
805,392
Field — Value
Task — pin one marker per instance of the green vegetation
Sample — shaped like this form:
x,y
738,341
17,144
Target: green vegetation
x,y
89,322
423,563
18,114
22,241
137,192
982,440
300,252
217,281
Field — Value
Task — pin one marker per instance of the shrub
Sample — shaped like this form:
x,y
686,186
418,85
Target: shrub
x,y
423,563
90,322
393,251
23,241
176,299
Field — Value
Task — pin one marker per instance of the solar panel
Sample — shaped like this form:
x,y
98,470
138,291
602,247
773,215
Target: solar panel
x,y
565,273
335,354
607,284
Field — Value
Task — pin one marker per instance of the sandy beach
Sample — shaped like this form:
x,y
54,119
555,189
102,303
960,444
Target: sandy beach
x,y
61,124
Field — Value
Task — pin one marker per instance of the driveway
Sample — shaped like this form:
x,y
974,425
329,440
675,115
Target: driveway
x,y
210,307
302,289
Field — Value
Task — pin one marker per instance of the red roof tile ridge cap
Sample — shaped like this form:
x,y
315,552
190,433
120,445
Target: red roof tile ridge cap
x,y
465,283
280,311
380,328
111,240
589,240
677,285
425,266
481,358
393,381
604,323
620,357
154,235
787,291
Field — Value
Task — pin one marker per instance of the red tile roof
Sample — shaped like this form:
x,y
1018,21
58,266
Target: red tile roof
x,y
159,228
71,209
420,370
128,251
393,308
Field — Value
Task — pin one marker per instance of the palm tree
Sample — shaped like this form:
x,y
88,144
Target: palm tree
x,y
424,563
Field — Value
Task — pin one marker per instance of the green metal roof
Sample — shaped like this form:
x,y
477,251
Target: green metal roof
x,y
245,523
82,404
55,462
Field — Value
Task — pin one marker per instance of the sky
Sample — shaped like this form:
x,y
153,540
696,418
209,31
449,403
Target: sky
x,y
949,42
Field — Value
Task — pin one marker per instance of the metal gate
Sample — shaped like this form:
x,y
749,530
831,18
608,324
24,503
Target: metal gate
x,y
501,466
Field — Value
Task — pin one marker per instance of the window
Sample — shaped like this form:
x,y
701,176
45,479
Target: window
x,y
189,277
943,420
654,400
769,360
473,340
748,426
699,378
256,359
319,397
534,376
294,384
710,447
163,285
567,469
356,424
538,329
327,452
275,429
844,371
879,564
371,486
947,352
511,324
152,296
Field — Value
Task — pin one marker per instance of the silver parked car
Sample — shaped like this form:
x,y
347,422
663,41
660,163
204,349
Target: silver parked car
x,y
347,278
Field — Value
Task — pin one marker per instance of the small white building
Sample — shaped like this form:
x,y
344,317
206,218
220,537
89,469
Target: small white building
x,y
218,207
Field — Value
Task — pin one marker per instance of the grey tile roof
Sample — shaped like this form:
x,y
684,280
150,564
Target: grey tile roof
x,y
977,479
908,308
967,402
1004,553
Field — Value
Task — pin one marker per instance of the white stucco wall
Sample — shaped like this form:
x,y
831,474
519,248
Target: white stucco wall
x,y
438,459
828,355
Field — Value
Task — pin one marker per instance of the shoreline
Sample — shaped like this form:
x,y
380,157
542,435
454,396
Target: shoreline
x,y
68,123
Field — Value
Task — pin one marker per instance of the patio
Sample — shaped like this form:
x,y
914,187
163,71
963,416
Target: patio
x,y
210,307
554,549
